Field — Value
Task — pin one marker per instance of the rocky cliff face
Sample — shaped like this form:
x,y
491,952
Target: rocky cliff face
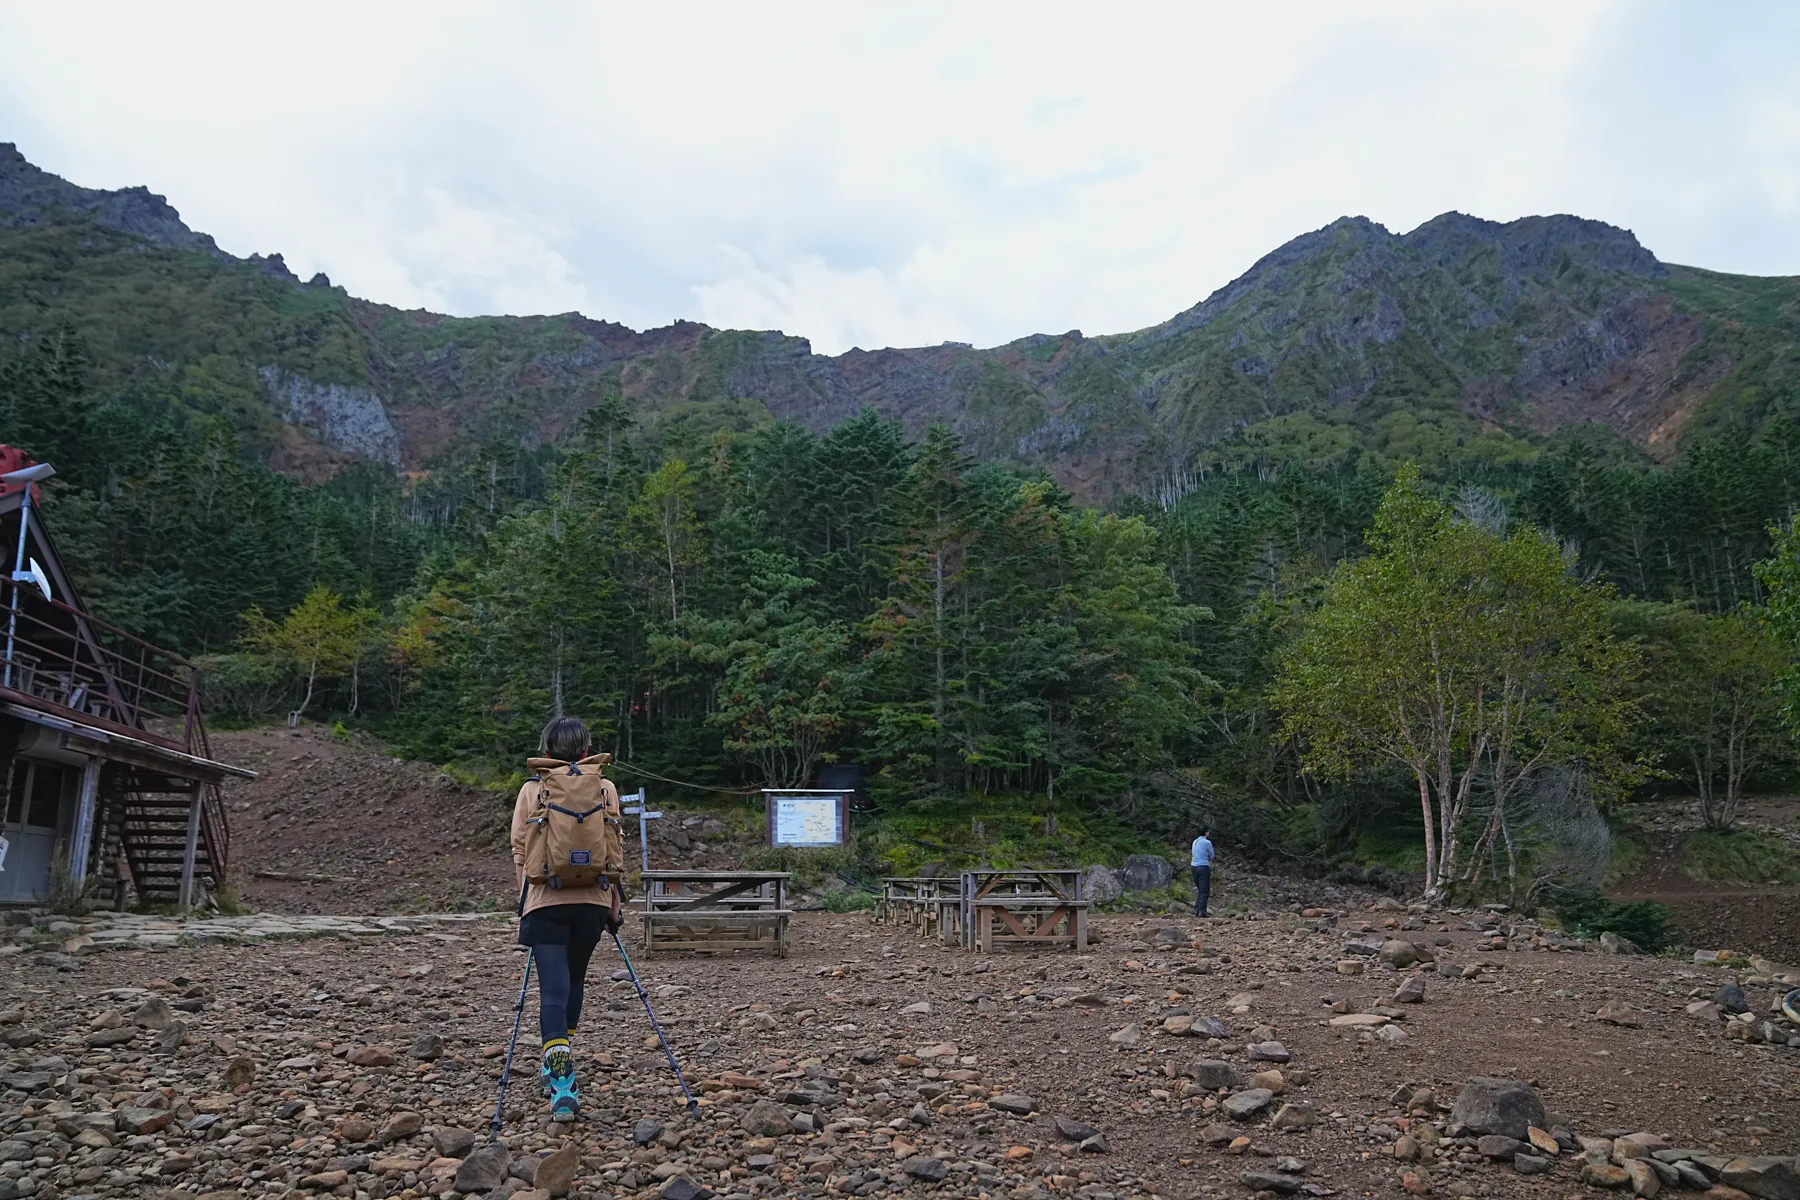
x,y
1340,337
29,195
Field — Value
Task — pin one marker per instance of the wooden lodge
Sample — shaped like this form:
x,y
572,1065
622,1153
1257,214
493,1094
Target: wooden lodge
x,y
111,787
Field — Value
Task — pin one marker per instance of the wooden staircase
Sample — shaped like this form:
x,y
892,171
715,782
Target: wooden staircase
x,y
153,830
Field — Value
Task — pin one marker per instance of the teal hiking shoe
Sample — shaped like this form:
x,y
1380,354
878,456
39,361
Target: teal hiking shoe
x,y
559,1081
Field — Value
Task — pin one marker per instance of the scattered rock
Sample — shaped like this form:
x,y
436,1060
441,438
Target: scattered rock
x,y
1604,1175
240,1071
354,1130
1645,1182
452,1142
1617,1012
1295,1117
766,1119
1069,1129
680,1187
932,1170
427,1047
1411,990
1499,1146
1213,1074
1273,1052
1217,1135
1497,1106
1396,953
1012,1102
1612,943
1730,998
1271,1181
401,1125
484,1169
556,1172
1531,1164
1241,1106
1131,1035
372,1056
153,1013
131,1119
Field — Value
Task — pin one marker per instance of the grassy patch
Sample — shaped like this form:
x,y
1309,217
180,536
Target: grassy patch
x,y
1739,856
1629,850
1399,849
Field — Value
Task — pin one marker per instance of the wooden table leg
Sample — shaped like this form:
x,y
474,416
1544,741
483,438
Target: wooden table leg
x,y
1079,920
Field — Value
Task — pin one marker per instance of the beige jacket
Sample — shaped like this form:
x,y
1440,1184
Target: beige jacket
x,y
537,895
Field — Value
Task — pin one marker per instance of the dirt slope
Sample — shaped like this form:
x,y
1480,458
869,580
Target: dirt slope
x,y
334,825
1720,916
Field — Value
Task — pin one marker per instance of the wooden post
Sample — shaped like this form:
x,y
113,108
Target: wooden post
x,y
186,903
82,840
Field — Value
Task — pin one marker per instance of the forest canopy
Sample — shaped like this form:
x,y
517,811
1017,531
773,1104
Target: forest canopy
x,y
732,603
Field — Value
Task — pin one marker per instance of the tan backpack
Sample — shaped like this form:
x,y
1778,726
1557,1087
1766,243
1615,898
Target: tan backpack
x,y
573,837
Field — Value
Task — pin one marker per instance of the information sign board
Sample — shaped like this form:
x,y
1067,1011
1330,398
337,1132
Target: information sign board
x,y
807,818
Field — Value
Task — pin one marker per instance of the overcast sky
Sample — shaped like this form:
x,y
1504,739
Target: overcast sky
x,y
883,175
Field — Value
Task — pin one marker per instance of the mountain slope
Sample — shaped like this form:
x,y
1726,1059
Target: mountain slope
x,y
1462,338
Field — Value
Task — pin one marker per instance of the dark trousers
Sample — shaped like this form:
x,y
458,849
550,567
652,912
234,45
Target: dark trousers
x,y
562,940
1202,889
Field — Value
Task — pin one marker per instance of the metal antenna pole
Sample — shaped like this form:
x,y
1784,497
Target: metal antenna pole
x,y
12,613
693,1105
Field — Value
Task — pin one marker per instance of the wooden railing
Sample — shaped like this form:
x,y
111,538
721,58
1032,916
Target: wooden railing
x,y
72,663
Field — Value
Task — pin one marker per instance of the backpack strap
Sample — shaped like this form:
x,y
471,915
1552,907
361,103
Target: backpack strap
x,y
569,812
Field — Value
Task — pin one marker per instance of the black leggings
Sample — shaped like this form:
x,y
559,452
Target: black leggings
x,y
562,940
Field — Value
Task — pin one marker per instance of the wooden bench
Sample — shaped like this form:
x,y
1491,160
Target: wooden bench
x,y
716,910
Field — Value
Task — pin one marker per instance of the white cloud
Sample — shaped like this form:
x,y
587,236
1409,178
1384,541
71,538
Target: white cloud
x,y
866,176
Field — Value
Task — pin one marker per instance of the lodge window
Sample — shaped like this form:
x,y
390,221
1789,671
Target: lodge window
x,y
35,795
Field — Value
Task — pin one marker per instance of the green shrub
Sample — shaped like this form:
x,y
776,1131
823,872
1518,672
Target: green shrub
x,y
849,900
1589,913
1739,856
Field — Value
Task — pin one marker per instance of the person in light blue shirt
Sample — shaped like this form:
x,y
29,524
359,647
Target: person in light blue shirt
x,y
1202,861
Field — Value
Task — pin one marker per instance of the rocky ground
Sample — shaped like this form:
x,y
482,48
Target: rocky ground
x,y
1317,1053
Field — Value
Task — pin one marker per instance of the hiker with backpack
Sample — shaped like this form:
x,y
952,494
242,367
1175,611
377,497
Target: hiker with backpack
x,y
568,849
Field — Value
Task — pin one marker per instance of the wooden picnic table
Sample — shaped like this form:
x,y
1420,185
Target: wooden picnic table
x,y
1037,906
907,899
716,910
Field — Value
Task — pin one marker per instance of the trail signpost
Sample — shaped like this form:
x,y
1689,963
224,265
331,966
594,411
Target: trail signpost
x,y
636,805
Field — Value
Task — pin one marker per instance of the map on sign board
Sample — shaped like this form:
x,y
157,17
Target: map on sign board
x,y
806,820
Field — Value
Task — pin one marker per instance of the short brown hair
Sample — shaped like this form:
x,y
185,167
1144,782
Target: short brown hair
x,y
566,738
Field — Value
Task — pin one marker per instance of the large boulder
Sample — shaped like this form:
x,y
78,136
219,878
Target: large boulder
x,y
1101,884
1146,873
1766,1178
1505,1107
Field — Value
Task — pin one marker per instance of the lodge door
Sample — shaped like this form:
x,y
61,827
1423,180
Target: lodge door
x,y
33,804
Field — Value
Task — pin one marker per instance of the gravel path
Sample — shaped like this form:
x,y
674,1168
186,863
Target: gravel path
x,y
869,1063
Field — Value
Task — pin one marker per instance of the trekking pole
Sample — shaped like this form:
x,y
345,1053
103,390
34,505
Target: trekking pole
x,y
506,1072
692,1104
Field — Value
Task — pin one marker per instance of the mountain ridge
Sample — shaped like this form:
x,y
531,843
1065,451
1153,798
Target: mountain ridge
x,y
1462,337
